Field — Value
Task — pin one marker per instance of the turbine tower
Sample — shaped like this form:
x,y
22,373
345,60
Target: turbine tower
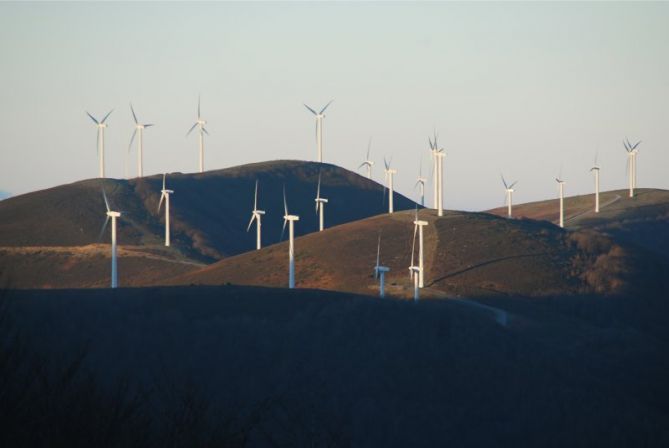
x,y
368,163
561,189
319,128
101,125
290,219
256,215
113,215
595,170
389,179
509,196
200,124
418,225
165,194
421,182
380,271
139,129
415,272
320,205
631,164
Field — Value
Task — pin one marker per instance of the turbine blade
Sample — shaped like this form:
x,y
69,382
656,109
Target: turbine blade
x,y
413,243
504,182
107,116
253,216
511,186
283,229
255,197
104,196
205,131
326,106
191,129
635,145
318,189
92,118
312,111
149,125
132,139
164,176
285,202
104,226
133,114
162,196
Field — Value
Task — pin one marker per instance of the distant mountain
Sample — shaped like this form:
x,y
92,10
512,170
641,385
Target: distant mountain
x,y
210,211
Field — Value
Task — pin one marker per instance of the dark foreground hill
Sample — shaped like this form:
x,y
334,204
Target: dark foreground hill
x,y
642,220
466,254
232,366
210,211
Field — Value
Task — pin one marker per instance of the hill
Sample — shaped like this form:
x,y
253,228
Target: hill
x,y
467,254
274,367
210,211
642,220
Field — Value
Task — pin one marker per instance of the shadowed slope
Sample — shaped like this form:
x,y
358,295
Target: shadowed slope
x,y
642,220
210,211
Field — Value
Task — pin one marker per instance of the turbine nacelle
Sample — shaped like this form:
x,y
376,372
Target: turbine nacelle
x,y
258,212
114,214
291,218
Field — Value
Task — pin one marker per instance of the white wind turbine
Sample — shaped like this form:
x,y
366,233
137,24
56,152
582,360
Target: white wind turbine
x,y
200,124
561,190
290,219
415,271
380,271
101,125
319,128
509,195
631,164
421,183
389,179
113,215
438,155
418,226
165,194
368,163
320,205
595,170
139,129
256,215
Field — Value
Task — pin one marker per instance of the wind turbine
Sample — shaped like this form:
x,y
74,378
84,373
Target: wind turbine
x,y
101,125
113,215
415,271
561,189
595,170
290,219
631,163
165,194
139,129
200,124
256,215
319,128
438,155
418,225
320,204
380,271
509,196
421,182
389,178
368,163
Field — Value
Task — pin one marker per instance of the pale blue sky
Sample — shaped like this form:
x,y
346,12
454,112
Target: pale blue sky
x,y
521,88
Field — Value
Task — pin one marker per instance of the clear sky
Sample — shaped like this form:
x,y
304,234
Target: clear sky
x,y
519,88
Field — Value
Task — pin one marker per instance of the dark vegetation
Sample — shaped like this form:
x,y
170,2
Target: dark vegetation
x,y
240,366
